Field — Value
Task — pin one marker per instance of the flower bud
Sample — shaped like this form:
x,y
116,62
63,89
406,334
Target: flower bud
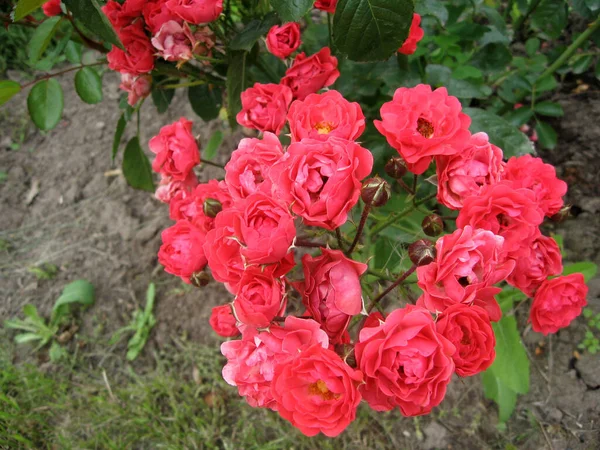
x,y
433,225
376,191
212,207
562,215
422,252
200,279
396,167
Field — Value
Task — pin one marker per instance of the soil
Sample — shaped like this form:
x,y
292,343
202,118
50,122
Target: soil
x,y
64,204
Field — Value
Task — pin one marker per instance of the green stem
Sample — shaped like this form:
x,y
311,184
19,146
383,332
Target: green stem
x,y
521,20
181,85
361,227
210,163
380,274
391,287
62,72
394,217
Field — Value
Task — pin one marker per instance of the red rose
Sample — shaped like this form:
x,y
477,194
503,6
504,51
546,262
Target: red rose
x,y
532,173
260,297
505,210
557,302
264,107
326,5
463,175
309,74
543,260
284,40
321,181
468,261
222,321
156,14
137,87
196,11
421,124
181,252
248,169
138,57
176,150
470,331
415,34
320,116
331,290
52,8
168,188
317,392
405,361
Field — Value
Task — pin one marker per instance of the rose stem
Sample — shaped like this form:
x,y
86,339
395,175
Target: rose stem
x,y
391,287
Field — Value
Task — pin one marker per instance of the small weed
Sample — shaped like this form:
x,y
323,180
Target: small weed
x,y
590,342
45,271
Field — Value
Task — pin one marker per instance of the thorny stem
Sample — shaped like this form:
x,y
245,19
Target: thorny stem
x,y
380,274
210,163
308,244
406,187
391,287
361,227
414,185
340,241
62,72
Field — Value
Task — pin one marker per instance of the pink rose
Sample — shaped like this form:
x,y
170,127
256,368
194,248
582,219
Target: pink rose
x,y
532,173
464,174
156,14
320,116
176,150
138,57
331,290
470,331
264,107
557,302
321,181
406,363
468,261
326,5
415,34
260,297
421,123
137,87
196,11
181,252
52,8
543,260
169,188
284,40
174,42
317,392
309,74
248,169
507,211
222,321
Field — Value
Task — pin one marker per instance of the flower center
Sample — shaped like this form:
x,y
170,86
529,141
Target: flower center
x,y
324,127
425,128
320,388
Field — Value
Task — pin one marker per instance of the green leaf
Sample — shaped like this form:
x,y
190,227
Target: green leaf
x,y
236,83
548,83
466,89
371,30
213,145
252,32
31,313
495,389
437,75
550,18
74,52
27,337
206,101
492,57
501,133
549,109
466,72
41,39
587,268
121,125
56,352
79,291
433,8
136,167
88,85
291,10
546,135
519,116
532,46
162,98
90,14
8,89
26,7
45,104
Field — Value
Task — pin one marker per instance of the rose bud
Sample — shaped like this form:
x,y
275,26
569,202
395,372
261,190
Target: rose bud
x,y
396,167
375,191
422,252
562,215
433,225
212,207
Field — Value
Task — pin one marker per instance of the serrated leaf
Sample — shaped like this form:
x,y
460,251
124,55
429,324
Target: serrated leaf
x,y
41,38
236,83
547,137
213,145
371,30
291,10
206,101
136,167
587,268
549,109
88,85
252,32
121,125
90,14
26,7
8,89
532,46
45,104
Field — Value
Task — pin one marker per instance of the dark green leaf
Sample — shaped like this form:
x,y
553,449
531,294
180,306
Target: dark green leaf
x,y
465,72
547,83
371,30
549,109
433,8
213,145
520,116
41,39
437,75
136,167
501,133
546,135
88,85
26,7
550,18
466,89
90,14
236,83
291,10
246,39
8,89
587,268
74,52
121,124
582,64
162,98
45,104
532,46
492,57
206,101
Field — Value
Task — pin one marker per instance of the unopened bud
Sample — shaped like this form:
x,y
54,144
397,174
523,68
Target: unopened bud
x,y
433,225
396,167
375,191
212,207
422,252
562,215
200,279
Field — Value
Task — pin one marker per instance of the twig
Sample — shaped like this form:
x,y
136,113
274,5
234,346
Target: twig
x,y
361,227
62,72
340,240
395,284
308,244
110,392
210,163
